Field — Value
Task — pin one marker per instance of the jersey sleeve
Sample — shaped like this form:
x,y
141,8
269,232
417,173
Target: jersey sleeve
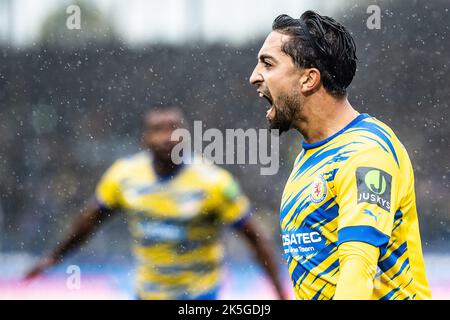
x,y
234,208
367,192
357,267
108,192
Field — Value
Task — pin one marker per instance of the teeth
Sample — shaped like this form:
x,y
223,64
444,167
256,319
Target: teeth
x,y
261,95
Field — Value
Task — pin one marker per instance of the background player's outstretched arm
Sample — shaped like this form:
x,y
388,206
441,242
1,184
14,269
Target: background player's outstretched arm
x,y
91,218
264,252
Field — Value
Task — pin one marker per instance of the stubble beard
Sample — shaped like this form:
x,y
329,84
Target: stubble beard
x,y
286,109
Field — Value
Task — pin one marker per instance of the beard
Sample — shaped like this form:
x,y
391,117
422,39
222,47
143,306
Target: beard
x,y
285,110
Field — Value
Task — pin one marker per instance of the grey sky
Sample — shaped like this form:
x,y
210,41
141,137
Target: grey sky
x,y
142,21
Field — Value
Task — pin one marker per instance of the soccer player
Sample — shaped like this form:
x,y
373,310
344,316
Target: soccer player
x,y
348,214
176,213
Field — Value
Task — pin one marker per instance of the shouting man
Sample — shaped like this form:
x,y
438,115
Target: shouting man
x,y
348,213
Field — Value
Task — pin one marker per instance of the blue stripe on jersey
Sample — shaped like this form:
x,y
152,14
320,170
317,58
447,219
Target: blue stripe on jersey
x,y
378,131
329,176
300,281
397,224
179,293
287,206
243,220
339,157
209,295
390,261
385,249
318,217
365,234
352,123
290,202
378,142
317,157
304,266
332,266
314,159
321,213
389,295
398,215
404,265
192,267
301,206
299,158
317,295
397,220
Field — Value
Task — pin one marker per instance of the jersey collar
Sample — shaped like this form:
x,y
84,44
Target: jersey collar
x,y
313,145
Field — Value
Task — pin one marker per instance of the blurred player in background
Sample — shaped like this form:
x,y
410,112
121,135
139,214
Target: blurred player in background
x,y
348,212
177,214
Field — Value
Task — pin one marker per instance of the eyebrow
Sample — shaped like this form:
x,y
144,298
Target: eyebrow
x,y
265,56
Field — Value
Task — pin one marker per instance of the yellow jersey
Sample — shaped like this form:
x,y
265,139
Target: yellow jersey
x,y
175,222
357,185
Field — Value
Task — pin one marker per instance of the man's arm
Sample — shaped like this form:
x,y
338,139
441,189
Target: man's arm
x,y
358,263
264,252
91,218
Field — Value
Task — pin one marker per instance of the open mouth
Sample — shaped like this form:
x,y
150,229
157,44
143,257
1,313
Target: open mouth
x,y
270,107
262,95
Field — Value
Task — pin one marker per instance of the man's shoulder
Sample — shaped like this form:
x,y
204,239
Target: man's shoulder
x,y
124,164
371,127
210,173
373,134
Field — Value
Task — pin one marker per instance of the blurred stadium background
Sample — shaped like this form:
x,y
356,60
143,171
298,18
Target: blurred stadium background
x,y
71,100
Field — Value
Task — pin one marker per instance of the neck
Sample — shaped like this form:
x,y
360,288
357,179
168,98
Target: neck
x,y
323,117
164,167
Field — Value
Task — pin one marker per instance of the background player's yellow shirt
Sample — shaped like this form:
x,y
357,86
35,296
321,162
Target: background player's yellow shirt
x,y
357,185
175,223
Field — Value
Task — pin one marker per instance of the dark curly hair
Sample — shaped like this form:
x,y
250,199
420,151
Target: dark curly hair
x,y
320,42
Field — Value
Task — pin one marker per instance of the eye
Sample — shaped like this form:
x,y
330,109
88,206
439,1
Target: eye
x,y
267,64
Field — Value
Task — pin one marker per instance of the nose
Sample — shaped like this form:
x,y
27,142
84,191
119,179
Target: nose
x,y
256,76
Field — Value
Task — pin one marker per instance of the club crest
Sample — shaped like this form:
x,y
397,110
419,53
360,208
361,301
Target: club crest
x,y
318,189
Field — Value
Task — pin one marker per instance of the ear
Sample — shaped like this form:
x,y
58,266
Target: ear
x,y
310,80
